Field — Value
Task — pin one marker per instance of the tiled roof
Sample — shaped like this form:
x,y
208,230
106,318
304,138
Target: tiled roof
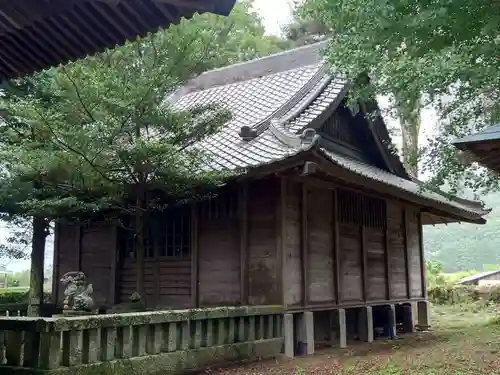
x,y
279,97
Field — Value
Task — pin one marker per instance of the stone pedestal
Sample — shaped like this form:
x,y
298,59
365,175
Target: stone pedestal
x,y
338,332
305,333
365,321
289,337
410,317
423,315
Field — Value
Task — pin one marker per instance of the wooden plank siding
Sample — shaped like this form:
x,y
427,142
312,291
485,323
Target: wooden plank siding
x,y
263,261
279,240
321,284
293,274
341,263
98,242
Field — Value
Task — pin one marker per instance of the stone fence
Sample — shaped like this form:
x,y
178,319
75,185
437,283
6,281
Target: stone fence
x,y
157,342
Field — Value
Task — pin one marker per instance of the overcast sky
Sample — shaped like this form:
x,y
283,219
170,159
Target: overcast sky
x,y
275,14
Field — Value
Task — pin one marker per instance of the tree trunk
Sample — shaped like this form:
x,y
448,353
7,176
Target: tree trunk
x,y
37,264
139,242
409,117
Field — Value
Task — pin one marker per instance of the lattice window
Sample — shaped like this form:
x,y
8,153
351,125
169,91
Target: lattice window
x,y
222,205
360,210
166,234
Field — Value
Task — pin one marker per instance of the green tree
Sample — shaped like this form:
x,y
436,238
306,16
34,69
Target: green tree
x,y
97,134
435,50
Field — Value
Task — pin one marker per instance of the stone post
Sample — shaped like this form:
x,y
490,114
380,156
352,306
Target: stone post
x,y
305,332
409,317
423,315
289,339
391,321
365,321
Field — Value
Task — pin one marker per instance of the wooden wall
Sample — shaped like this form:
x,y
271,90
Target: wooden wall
x,y
344,248
89,249
301,242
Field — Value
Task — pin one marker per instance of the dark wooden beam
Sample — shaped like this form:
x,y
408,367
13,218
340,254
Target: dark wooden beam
x,y
78,247
387,259
55,263
336,248
243,212
406,252
280,237
195,301
115,268
364,263
423,269
304,245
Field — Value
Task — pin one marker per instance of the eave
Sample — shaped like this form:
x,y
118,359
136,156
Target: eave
x,y
36,35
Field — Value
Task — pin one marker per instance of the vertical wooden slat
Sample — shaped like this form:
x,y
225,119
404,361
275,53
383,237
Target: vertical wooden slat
x,y
304,245
336,246
194,256
387,249
78,246
280,240
114,284
364,266
423,269
243,210
56,263
407,253
156,267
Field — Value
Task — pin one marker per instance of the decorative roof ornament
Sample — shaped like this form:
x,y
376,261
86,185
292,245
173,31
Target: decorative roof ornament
x,y
309,138
247,133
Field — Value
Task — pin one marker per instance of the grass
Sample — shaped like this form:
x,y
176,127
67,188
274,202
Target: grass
x,y
464,340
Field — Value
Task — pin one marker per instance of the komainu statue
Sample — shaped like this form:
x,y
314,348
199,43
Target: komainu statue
x,y
77,295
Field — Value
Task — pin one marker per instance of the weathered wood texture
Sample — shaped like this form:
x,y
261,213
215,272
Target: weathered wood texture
x,y
413,244
98,242
263,196
67,257
173,284
292,266
397,259
351,282
320,242
376,269
219,261
377,250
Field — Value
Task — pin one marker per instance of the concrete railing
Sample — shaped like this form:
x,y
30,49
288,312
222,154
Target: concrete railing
x,y
140,343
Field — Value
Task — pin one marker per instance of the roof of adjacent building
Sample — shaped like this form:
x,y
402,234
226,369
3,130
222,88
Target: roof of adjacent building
x,y
35,34
491,133
482,147
276,102
477,277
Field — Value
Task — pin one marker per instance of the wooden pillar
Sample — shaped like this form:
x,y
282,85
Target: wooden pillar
x,y
423,269
195,301
280,239
304,245
364,265
37,265
336,248
406,223
243,211
387,256
55,263
115,268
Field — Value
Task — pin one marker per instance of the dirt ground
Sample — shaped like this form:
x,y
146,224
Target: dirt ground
x,y
463,341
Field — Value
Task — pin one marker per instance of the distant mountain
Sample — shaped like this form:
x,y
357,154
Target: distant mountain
x,y
463,247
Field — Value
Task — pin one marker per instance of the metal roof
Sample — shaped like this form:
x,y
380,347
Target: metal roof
x,y
477,277
491,133
273,101
36,34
